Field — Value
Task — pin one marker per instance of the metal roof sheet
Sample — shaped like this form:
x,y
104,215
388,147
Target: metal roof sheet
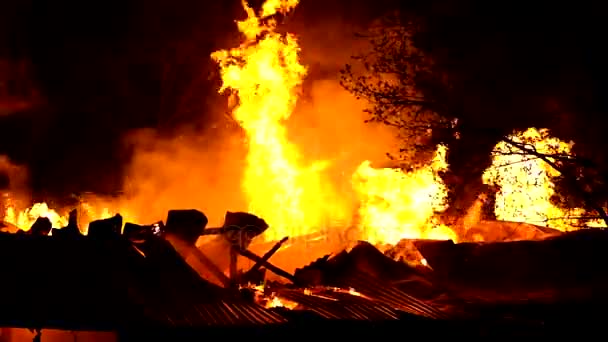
x,y
81,283
388,294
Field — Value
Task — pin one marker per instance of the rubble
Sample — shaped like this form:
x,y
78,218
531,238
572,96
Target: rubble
x,y
106,228
516,270
187,224
502,231
437,280
42,227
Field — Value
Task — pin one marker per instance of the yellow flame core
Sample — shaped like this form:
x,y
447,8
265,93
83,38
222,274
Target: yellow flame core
x,y
396,205
266,74
26,218
525,181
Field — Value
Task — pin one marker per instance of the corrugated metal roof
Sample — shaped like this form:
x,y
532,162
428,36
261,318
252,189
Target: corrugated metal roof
x,y
220,313
81,283
335,305
388,294
180,298
54,282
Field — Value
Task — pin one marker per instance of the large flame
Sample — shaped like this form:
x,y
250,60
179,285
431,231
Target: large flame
x,y
397,205
525,182
297,196
265,73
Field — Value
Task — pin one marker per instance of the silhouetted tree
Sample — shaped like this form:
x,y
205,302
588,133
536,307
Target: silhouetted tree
x,y
457,82
401,86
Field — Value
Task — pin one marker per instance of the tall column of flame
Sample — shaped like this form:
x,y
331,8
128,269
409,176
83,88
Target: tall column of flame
x,y
265,73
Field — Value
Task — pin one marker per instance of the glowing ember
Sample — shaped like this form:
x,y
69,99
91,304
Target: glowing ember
x,y
276,302
525,181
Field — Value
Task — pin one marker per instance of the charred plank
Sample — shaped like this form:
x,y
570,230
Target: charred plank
x,y
41,227
187,224
106,228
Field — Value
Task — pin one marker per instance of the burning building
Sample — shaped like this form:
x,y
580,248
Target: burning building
x,y
309,240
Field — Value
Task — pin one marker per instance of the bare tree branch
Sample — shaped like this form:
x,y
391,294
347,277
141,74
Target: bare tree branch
x,y
550,160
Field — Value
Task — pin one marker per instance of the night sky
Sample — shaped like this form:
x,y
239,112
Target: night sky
x,y
102,66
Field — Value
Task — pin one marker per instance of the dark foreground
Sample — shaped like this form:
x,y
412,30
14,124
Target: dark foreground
x,y
315,330
551,288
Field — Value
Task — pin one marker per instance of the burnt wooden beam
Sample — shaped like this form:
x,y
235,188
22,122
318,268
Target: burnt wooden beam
x,y
211,267
214,231
268,255
208,263
250,255
233,266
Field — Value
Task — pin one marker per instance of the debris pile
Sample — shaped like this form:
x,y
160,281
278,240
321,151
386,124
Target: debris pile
x,y
453,281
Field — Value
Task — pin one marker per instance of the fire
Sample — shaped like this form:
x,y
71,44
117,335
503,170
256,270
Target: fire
x,y
96,210
265,73
276,302
525,181
271,300
24,219
397,205
295,198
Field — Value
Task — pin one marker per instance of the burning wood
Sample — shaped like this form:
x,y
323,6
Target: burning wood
x,y
267,256
364,283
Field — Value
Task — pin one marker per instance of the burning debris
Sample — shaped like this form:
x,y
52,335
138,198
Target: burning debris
x,y
411,261
455,281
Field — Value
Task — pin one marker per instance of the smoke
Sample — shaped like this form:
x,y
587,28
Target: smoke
x,y
203,169
330,125
192,170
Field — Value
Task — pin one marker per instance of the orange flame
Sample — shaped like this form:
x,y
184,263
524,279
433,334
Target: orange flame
x,y
26,218
397,205
295,199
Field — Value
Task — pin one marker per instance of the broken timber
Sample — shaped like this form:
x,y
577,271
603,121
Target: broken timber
x,y
185,249
250,255
235,250
268,255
